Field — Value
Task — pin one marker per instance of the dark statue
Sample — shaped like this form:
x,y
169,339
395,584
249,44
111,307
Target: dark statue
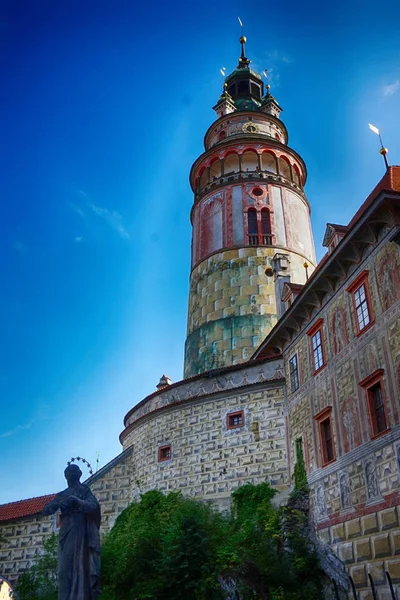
x,y
79,539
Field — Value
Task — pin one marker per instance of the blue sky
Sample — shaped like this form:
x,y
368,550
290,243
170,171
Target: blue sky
x,y
104,108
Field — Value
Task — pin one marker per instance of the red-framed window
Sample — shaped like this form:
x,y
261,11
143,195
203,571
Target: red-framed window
x,y
376,403
259,227
316,336
326,440
164,453
362,305
235,419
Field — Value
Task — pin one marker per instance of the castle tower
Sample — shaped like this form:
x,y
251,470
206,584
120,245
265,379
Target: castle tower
x,y
251,225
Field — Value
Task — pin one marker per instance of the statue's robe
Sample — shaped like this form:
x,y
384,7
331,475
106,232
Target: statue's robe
x,y
78,545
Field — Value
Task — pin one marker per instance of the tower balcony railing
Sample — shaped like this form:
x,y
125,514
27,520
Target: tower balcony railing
x,y
242,176
260,240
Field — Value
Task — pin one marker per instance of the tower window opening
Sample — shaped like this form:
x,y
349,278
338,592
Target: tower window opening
x,y
266,227
243,87
268,162
284,168
259,229
255,90
252,226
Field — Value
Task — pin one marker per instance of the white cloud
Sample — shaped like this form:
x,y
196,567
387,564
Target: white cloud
x,y
87,209
391,89
278,56
113,218
16,430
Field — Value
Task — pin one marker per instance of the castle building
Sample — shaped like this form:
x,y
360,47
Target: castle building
x,y
283,357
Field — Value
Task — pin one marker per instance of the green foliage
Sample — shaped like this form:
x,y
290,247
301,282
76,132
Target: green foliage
x,y
172,548
40,581
300,475
167,547
163,547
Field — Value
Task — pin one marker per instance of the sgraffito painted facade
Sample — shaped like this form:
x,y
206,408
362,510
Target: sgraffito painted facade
x,y
345,412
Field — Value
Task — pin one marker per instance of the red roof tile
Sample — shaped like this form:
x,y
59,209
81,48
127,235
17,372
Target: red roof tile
x,y
24,508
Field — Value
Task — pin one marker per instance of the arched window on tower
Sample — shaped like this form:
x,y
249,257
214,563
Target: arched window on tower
x,y
252,226
268,162
203,178
266,227
296,176
284,168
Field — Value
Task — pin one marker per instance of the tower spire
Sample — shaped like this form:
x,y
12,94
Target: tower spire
x,y
243,61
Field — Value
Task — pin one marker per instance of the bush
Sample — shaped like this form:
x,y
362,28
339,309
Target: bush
x,y
167,547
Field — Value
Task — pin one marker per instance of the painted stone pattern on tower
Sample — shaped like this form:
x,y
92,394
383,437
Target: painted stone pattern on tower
x,y
352,462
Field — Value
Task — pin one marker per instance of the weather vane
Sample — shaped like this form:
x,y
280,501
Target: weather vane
x,y
383,150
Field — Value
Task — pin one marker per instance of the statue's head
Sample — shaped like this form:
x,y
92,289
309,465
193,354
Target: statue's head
x,y
72,474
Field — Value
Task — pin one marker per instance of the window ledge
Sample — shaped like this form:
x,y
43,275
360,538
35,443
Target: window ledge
x,y
380,434
319,370
328,463
370,324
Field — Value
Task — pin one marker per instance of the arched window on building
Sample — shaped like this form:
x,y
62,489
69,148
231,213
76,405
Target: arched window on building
x,y
268,162
249,161
284,168
215,169
296,176
203,178
259,227
231,163
266,227
252,226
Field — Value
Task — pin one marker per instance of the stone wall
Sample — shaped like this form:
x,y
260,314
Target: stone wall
x,y
208,460
355,498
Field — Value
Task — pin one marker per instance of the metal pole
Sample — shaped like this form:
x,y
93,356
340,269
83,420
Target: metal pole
x,y
383,151
353,588
391,585
372,587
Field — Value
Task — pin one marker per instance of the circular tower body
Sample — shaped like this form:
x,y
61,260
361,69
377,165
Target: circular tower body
x,y
251,226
